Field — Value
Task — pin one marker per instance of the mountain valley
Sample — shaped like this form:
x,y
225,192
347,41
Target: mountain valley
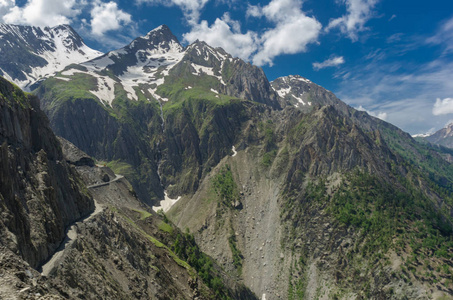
x,y
284,191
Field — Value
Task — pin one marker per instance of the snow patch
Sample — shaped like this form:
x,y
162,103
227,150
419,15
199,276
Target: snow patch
x,y
71,72
299,99
234,151
117,53
152,65
423,135
131,94
106,88
291,77
99,63
166,204
156,96
283,92
200,70
105,85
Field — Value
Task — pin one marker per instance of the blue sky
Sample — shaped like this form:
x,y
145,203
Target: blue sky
x,y
391,58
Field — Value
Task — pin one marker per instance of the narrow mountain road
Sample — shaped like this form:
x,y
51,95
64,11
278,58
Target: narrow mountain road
x,y
71,236
71,232
118,177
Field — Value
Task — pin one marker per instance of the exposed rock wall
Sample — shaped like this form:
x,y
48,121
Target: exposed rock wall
x,y
40,193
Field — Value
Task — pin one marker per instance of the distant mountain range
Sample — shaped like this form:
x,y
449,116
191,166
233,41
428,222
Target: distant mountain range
x,y
283,190
443,137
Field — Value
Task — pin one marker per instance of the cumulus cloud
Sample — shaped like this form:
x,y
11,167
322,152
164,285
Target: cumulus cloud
x,y
40,12
358,13
291,34
331,62
443,107
5,6
225,33
191,8
106,17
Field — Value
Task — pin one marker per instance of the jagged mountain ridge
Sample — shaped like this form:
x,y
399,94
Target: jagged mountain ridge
x,y
31,54
443,137
141,67
302,171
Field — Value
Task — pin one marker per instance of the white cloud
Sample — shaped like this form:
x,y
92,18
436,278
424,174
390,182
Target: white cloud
x,y
331,62
358,13
106,17
443,107
5,6
277,10
191,8
289,37
380,115
103,17
253,11
292,33
40,12
394,38
403,94
444,36
225,33
425,134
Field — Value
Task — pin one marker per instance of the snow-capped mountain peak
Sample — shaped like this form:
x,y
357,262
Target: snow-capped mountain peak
x,y
43,52
143,63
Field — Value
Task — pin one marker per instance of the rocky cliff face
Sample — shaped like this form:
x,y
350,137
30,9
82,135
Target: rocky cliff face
x,y
40,193
304,94
235,78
